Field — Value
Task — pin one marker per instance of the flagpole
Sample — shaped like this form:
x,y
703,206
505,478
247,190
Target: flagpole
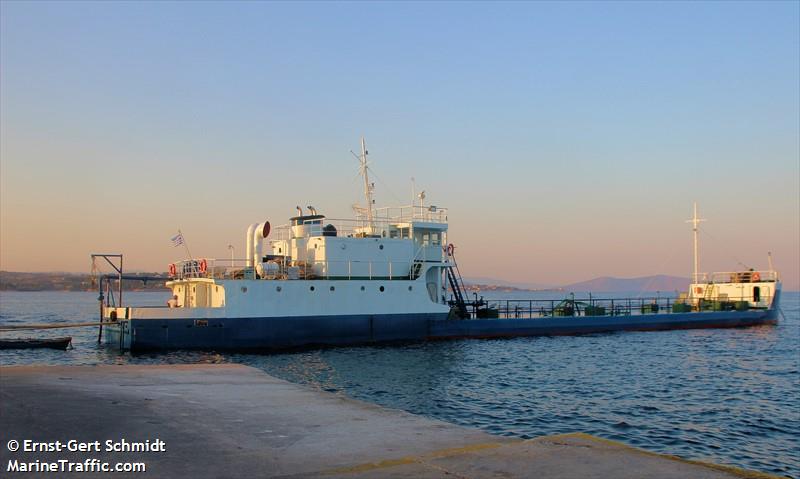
x,y
185,245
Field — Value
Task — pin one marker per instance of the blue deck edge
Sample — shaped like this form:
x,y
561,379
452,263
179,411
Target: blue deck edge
x,y
297,332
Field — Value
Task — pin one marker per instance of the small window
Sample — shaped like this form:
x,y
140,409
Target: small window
x,y
244,289
426,239
435,239
382,289
380,247
363,288
311,288
278,289
410,288
333,289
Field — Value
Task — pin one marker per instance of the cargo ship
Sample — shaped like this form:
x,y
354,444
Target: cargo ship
x,y
388,274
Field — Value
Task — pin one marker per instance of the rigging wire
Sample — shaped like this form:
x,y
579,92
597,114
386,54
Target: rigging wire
x,y
724,249
374,175
672,252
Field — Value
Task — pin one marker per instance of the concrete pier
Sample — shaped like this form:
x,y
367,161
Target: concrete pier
x,y
237,421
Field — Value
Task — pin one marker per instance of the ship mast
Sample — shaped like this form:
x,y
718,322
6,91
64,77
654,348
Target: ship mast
x,y
367,186
695,221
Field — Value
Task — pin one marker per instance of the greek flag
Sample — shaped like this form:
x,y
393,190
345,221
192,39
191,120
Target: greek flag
x,y
177,240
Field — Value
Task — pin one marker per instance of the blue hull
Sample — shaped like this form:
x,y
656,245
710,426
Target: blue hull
x,y
553,326
297,332
269,333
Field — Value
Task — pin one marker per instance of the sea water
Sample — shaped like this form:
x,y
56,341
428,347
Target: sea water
x,y
729,396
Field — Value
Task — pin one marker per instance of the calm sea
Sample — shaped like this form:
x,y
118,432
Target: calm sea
x,y
728,396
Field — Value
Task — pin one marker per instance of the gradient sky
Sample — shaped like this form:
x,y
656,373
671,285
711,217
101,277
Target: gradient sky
x,y
568,139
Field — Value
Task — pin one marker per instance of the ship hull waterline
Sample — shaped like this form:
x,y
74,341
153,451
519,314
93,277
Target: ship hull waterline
x,y
282,333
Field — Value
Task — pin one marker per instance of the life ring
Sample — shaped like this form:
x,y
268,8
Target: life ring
x,y
173,270
450,249
699,290
203,265
756,277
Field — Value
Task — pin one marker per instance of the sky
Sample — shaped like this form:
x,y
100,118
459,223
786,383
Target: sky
x,y
567,139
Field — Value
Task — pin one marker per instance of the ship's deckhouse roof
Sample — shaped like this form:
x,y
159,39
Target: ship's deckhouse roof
x,y
305,219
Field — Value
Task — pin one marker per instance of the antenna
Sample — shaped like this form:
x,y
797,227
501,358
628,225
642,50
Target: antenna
x,y
769,260
413,194
695,221
368,187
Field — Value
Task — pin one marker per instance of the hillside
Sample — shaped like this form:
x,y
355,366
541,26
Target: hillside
x,y
17,281
608,284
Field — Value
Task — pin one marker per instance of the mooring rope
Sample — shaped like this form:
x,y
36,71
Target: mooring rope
x,y
23,327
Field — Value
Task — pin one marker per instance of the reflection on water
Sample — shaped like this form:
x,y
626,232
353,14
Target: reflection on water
x,y
728,396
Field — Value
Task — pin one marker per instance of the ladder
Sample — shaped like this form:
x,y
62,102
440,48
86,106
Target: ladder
x,y
457,286
709,292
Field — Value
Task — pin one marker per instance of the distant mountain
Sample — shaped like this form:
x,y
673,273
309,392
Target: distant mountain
x,y
608,284
19,281
476,280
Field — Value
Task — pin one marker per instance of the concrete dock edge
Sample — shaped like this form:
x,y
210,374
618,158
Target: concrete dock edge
x,y
237,421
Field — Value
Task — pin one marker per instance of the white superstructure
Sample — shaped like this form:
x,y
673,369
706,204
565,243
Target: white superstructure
x,y
756,288
385,260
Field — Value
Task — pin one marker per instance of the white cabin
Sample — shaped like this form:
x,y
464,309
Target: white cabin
x,y
312,252
757,288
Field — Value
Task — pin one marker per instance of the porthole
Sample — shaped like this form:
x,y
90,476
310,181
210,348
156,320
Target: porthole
x,y
380,247
244,289
382,289
410,287
332,288
278,289
363,288
311,288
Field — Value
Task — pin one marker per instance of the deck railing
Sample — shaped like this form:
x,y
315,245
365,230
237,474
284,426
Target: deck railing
x,y
588,307
324,269
738,277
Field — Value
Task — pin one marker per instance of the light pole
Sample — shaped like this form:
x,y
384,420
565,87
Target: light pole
x,y
230,247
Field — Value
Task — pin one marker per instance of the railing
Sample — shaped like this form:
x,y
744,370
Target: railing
x,y
737,277
324,269
349,228
408,214
589,307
